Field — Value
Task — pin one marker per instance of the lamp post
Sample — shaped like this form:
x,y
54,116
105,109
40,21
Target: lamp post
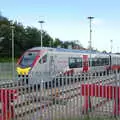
x,y
90,39
41,22
118,49
111,41
13,61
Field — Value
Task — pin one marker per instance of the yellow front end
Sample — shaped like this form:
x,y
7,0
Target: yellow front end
x,y
23,71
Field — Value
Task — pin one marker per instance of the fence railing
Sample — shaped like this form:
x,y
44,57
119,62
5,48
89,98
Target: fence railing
x,y
61,97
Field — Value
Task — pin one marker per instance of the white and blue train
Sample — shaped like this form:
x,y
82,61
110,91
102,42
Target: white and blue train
x,y
56,61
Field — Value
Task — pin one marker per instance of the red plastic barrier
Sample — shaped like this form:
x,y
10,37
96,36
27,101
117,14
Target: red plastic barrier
x,y
6,97
106,91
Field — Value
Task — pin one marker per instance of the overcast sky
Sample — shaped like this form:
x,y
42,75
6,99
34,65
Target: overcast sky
x,y
67,19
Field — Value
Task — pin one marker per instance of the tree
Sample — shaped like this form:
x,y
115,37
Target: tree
x,y
58,42
24,37
27,37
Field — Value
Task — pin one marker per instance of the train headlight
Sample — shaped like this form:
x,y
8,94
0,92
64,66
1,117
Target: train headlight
x,y
23,71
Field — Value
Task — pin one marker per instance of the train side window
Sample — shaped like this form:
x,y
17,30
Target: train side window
x,y
99,63
75,62
71,63
105,61
91,62
43,59
78,62
94,62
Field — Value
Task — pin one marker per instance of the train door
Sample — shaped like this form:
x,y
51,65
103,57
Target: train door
x,y
85,63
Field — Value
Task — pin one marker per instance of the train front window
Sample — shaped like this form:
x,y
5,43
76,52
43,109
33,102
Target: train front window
x,y
28,58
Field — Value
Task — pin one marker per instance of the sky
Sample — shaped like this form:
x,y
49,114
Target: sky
x,y
67,19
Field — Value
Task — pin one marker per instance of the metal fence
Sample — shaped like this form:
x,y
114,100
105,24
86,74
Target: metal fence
x,y
63,97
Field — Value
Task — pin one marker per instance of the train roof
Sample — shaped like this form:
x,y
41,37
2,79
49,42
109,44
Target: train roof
x,y
66,50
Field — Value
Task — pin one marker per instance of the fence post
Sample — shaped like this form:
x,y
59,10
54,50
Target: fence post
x,y
116,110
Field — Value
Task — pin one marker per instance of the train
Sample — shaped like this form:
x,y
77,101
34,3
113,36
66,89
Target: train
x,y
45,63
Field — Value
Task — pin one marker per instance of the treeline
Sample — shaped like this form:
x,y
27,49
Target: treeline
x,y
25,38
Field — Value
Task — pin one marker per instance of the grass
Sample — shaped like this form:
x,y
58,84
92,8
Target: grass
x,y
6,75
7,59
89,118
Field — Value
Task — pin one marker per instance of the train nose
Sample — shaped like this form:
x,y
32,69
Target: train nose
x,y
23,71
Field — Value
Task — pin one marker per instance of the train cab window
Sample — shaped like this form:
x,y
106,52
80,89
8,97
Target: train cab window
x,y
75,62
43,59
28,58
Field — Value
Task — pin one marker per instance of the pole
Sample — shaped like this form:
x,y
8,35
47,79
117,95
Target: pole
x,y
90,39
90,42
111,45
41,22
118,49
13,61
41,37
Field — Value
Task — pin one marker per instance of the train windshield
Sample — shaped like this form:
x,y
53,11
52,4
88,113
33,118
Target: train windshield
x,y
28,58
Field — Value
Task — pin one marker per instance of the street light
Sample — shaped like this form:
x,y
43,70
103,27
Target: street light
x,y
13,64
118,49
111,44
90,44
41,22
90,41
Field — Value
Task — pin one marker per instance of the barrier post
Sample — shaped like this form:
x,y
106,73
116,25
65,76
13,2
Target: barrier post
x,y
116,110
7,114
87,104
